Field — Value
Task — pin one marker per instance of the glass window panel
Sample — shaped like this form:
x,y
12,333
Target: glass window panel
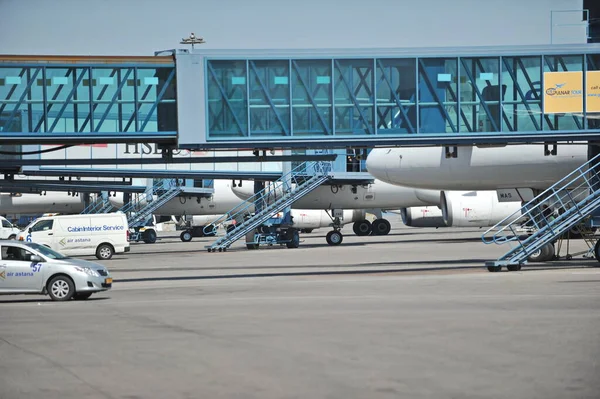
x,y
563,88
311,97
438,95
61,122
227,98
354,99
82,113
522,103
269,97
396,95
110,122
147,114
480,94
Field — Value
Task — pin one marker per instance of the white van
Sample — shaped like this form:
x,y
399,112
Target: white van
x,y
102,235
8,230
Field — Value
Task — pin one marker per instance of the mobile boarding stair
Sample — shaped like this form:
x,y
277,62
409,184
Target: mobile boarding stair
x,y
140,209
268,202
100,205
576,198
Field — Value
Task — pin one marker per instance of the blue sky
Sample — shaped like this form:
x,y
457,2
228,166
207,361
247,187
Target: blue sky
x,y
139,27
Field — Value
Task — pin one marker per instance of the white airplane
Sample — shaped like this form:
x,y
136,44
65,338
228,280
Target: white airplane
x,y
377,195
475,168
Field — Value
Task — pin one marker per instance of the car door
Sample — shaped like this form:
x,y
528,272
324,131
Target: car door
x,y
42,233
17,272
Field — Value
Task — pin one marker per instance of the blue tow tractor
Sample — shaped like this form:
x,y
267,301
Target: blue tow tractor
x,y
273,232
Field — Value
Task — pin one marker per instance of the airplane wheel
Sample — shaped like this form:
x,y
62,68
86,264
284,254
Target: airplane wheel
x,y
513,268
362,228
334,237
186,236
381,227
494,269
544,254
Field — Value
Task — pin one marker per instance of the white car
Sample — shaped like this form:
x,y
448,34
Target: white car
x,y
30,268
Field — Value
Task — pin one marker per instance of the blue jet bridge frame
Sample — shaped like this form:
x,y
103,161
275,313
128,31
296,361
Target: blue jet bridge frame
x,y
304,99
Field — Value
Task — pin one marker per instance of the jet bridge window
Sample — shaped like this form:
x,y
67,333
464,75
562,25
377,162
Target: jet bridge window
x,y
42,225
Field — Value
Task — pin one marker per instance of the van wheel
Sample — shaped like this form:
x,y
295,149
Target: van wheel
x,y
149,236
61,288
104,252
82,296
12,237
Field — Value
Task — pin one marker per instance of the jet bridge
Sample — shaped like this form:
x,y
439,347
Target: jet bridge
x,y
316,98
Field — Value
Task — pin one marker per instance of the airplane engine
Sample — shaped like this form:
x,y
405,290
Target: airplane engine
x,y
422,216
475,208
315,218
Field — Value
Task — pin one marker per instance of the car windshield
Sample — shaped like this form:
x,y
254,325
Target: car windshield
x,y
47,252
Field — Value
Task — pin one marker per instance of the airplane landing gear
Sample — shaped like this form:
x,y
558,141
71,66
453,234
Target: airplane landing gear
x,y
381,227
362,228
334,237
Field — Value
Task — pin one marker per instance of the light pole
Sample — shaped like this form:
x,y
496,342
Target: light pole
x,y
192,39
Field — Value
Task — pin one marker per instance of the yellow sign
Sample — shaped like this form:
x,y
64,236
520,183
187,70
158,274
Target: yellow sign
x,y
563,92
593,91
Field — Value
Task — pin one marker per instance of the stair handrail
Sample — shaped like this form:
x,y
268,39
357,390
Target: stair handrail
x,y
552,189
149,192
294,176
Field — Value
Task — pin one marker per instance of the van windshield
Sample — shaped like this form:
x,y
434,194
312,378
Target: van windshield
x,y
47,252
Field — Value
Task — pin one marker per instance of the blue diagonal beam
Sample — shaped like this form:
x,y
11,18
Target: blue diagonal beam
x,y
310,97
459,110
138,106
67,100
159,97
268,97
12,90
521,94
489,84
224,97
353,97
100,97
535,93
422,71
363,82
396,99
113,99
50,105
21,99
479,95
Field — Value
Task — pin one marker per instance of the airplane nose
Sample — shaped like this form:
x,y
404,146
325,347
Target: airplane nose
x,y
377,161
245,191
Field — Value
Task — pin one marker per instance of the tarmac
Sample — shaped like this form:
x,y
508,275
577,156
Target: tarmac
x,y
414,314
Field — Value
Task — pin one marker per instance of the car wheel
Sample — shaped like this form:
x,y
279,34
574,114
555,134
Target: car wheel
x,y
104,252
61,288
82,296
